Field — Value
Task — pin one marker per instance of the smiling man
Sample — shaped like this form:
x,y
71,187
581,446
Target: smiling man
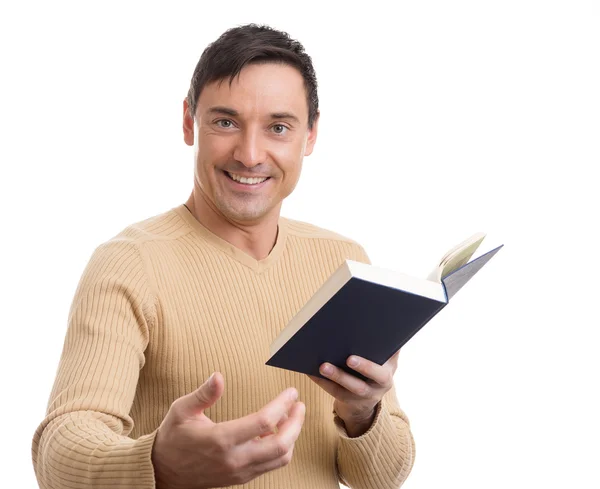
x,y
162,381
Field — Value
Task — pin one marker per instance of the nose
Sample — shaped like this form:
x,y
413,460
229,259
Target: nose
x,y
250,148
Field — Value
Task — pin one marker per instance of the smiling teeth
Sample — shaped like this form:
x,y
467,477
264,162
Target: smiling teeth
x,y
248,181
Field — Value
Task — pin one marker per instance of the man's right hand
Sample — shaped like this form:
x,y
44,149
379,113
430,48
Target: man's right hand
x,y
192,452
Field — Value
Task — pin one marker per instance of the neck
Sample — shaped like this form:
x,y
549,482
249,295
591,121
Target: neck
x,y
255,239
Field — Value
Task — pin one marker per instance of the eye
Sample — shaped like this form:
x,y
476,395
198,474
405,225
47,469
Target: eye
x,y
279,129
224,123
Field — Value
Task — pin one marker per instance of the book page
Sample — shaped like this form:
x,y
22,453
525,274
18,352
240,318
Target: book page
x,y
456,257
456,279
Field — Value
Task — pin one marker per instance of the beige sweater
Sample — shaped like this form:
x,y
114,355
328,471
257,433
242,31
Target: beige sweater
x,y
158,309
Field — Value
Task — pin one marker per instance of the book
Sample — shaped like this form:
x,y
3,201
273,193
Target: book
x,y
371,311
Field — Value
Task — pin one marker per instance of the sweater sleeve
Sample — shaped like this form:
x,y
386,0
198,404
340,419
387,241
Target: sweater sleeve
x,y
83,442
382,457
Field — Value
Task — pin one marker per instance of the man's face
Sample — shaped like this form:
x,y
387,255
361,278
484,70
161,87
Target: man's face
x,y
255,129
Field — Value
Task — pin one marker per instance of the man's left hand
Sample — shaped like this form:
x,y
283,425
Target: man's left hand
x,y
356,400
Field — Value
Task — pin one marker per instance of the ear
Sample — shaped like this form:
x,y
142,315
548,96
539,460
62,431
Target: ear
x,y
312,136
188,124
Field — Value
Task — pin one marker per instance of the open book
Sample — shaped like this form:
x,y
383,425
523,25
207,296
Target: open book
x,y
371,311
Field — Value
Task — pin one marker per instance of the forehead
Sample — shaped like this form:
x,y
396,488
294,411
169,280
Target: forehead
x,y
260,89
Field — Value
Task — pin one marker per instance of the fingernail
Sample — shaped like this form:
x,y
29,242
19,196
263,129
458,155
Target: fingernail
x,y
327,369
353,362
211,381
293,394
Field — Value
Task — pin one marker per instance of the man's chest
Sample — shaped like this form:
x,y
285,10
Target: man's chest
x,y
225,321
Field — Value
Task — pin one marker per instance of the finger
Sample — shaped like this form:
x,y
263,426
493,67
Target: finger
x,y
393,360
276,446
335,390
262,422
277,428
194,403
381,374
290,428
347,381
273,464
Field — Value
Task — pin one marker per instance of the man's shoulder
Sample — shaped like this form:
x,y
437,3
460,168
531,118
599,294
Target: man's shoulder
x,y
167,225
306,231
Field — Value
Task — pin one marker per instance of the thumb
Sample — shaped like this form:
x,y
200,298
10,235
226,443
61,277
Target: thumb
x,y
203,397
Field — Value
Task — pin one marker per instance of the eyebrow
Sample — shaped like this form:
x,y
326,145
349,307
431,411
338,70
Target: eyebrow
x,y
285,115
234,113
223,110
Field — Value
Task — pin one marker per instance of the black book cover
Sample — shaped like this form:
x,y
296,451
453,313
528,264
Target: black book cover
x,y
365,319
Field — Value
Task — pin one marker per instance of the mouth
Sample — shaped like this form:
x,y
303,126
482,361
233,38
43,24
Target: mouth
x,y
246,181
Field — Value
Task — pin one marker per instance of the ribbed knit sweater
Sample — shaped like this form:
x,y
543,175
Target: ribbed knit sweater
x,y
161,306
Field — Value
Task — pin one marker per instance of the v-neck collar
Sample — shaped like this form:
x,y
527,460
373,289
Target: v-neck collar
x,y
231,250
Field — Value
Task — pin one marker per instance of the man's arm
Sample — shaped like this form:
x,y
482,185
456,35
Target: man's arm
x,y
376,447
383,456
83,442
384,453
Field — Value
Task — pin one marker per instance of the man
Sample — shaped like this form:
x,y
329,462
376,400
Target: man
x,y
199,292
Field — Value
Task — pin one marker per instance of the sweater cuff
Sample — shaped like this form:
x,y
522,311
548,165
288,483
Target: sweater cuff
x,y
143,448
380,458
375,426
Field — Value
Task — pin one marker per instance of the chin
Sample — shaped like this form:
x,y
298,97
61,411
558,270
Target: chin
x,y
245,214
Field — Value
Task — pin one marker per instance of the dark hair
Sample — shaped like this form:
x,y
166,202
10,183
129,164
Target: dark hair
x,y
248,44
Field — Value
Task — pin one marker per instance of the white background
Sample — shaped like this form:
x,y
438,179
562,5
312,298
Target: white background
x,y
439,119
